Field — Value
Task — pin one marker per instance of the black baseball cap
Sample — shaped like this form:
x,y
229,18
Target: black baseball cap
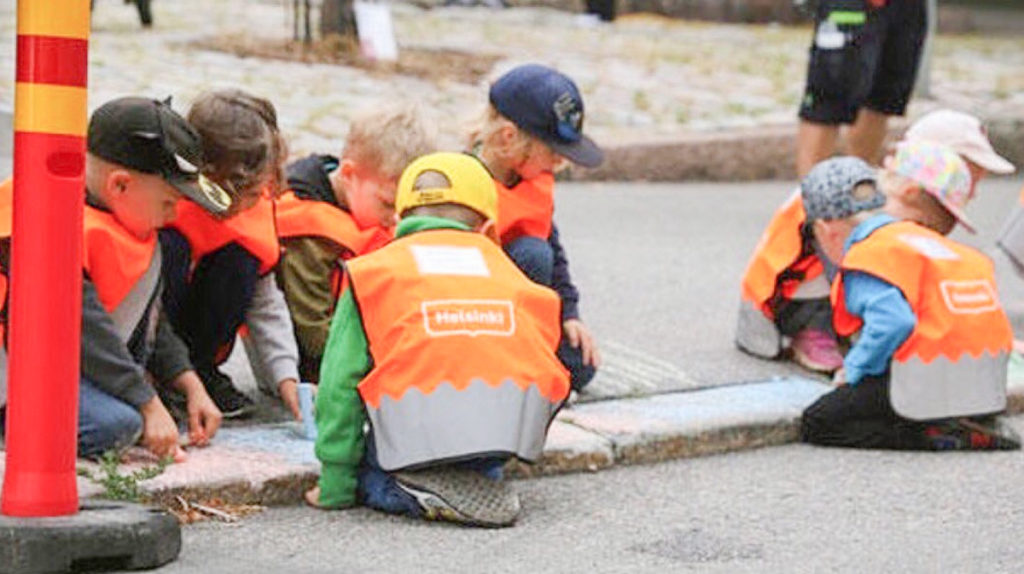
x,y
546,104
146,135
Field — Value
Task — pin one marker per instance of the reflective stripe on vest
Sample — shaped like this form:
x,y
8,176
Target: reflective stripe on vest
x,y
463,347
954,362
1011,238
297,217
252,229
526,210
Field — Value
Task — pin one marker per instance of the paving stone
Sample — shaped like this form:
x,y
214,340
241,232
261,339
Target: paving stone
x,y
263,464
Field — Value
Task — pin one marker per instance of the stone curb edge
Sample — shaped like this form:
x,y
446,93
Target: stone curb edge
x,y
763,153
287,489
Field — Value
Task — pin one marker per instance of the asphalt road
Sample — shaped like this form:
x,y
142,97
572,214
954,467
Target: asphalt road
x,y
659,265
793,509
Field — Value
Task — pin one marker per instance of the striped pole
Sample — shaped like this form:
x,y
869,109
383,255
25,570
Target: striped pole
x,y
50,119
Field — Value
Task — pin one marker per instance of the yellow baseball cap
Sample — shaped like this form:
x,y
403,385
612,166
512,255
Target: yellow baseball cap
x,y
470,184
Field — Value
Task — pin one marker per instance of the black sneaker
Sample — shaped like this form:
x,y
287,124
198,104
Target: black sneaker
x,y
233,404
461,496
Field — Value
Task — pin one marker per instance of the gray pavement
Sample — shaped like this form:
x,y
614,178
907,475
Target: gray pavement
x,y
794,509
659,265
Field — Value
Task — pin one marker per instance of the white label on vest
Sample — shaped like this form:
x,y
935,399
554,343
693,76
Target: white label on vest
x,y
471,317
449,260
929,247
969,297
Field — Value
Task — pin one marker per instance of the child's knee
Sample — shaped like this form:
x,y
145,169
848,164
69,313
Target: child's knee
x,y
534,257
117,429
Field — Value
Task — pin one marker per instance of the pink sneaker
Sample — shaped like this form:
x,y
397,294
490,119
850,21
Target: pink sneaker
x,y
816,350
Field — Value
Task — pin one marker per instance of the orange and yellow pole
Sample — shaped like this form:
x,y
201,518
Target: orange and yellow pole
x,y
50,119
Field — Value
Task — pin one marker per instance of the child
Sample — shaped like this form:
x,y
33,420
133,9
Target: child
x,y
338,209
455,366
928,370
785,287
535,122
219,268
142,157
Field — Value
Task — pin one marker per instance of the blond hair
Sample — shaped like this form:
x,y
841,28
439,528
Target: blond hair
x,y
385,139
482,136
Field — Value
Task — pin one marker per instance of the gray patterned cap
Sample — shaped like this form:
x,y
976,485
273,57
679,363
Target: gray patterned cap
x,y
827,191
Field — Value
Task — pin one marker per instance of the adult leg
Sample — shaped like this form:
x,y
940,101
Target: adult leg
x,y
104,421
901,27
865,137
815,142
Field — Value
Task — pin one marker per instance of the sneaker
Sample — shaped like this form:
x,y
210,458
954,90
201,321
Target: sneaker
x,y
972,434
816,350
461,496
233,404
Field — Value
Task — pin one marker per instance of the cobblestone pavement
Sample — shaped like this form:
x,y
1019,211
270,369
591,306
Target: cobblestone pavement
x,y
644,77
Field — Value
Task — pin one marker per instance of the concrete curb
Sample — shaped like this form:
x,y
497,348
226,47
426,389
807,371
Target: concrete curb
x,y
744,155
270,465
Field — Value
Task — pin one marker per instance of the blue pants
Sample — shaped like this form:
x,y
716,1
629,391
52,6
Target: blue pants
x,y
104,421
536,259
379,489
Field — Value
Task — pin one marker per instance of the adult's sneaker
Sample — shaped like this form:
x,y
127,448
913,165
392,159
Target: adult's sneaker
x,y
816,350
461,496
233,404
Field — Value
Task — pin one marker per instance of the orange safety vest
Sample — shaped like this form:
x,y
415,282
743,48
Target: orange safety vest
x,y
777,267
463,348
114,259
297,217
6,227
253,229
526,210
954,361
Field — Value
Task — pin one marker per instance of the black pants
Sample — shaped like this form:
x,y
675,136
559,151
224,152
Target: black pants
x,y
207,306
794,316
861,416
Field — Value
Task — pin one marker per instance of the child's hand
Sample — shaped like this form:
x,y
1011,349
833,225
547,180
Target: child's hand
x,y
289,390
580,338
839,378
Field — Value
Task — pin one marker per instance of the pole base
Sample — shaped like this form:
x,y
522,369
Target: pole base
x,y
104,535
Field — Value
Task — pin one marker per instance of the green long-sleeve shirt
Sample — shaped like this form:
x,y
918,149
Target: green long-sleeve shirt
x,y
340,414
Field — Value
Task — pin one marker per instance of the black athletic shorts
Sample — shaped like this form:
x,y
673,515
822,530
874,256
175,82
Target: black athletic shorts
x,y
875,68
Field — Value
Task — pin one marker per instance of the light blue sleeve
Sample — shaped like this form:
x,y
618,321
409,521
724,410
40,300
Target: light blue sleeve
x,y
888,321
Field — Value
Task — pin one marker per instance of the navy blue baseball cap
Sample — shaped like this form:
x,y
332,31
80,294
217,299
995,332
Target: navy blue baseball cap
x,y
547,105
